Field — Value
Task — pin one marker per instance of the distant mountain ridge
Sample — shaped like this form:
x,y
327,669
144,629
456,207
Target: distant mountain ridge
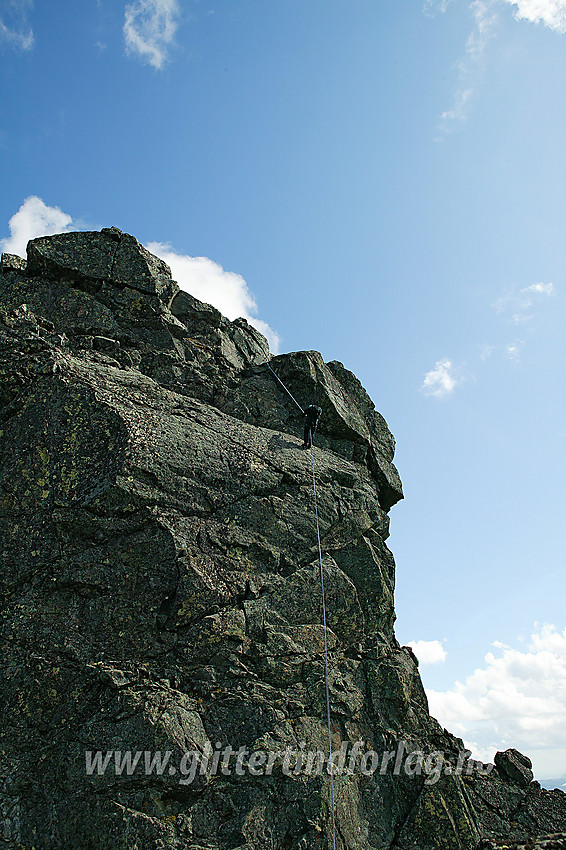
x,y
551,784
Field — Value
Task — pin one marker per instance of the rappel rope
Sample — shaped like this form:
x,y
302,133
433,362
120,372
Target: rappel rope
x,y
325,655
285,388
326,676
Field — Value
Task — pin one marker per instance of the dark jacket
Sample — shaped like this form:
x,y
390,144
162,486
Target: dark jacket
x,y
312,416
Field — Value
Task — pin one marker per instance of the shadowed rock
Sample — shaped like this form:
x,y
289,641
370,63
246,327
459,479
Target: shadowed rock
x,y
515,765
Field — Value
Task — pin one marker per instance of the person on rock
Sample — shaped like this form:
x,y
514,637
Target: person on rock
x,y
312,418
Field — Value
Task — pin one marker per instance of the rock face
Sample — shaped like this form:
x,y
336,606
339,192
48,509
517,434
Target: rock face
x,y
161,592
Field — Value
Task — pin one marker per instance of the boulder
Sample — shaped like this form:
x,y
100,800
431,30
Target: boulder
x,y
107,255
515,765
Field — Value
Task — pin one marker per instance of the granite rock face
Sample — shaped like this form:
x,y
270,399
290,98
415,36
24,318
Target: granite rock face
x,y
110,256
161,590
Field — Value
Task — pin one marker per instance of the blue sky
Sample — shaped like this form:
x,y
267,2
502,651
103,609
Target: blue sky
x,y
384,182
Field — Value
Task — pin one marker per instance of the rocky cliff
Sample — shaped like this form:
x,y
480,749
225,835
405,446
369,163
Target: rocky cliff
x,y
163,677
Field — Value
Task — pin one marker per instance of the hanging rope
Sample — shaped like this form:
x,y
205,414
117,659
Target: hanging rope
x,y
285,388
326,676
325,654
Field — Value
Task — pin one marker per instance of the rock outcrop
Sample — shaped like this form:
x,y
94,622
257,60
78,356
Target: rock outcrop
x,y
161,593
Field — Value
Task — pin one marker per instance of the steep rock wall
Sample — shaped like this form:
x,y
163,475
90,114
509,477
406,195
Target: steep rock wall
x,y
160,581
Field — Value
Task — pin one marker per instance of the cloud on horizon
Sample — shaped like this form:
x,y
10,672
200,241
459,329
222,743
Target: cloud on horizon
x,y
149,30
199,276
518,698
15,28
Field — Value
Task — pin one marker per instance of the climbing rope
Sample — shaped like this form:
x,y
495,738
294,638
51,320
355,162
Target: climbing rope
x,y
285,388
326,675
325,654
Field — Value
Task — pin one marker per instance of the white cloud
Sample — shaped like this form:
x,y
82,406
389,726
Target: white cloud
x,y
483,754
34,218
209,282
432,6
516,306
470,67
428,651
149,29
551,13
199,276
458,112
513,350
442,380
486,350
15,29
539,288
517,699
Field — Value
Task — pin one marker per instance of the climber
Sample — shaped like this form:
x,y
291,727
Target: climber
x,y
312,418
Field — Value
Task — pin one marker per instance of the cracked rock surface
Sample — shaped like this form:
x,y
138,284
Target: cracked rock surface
x,y
160,586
